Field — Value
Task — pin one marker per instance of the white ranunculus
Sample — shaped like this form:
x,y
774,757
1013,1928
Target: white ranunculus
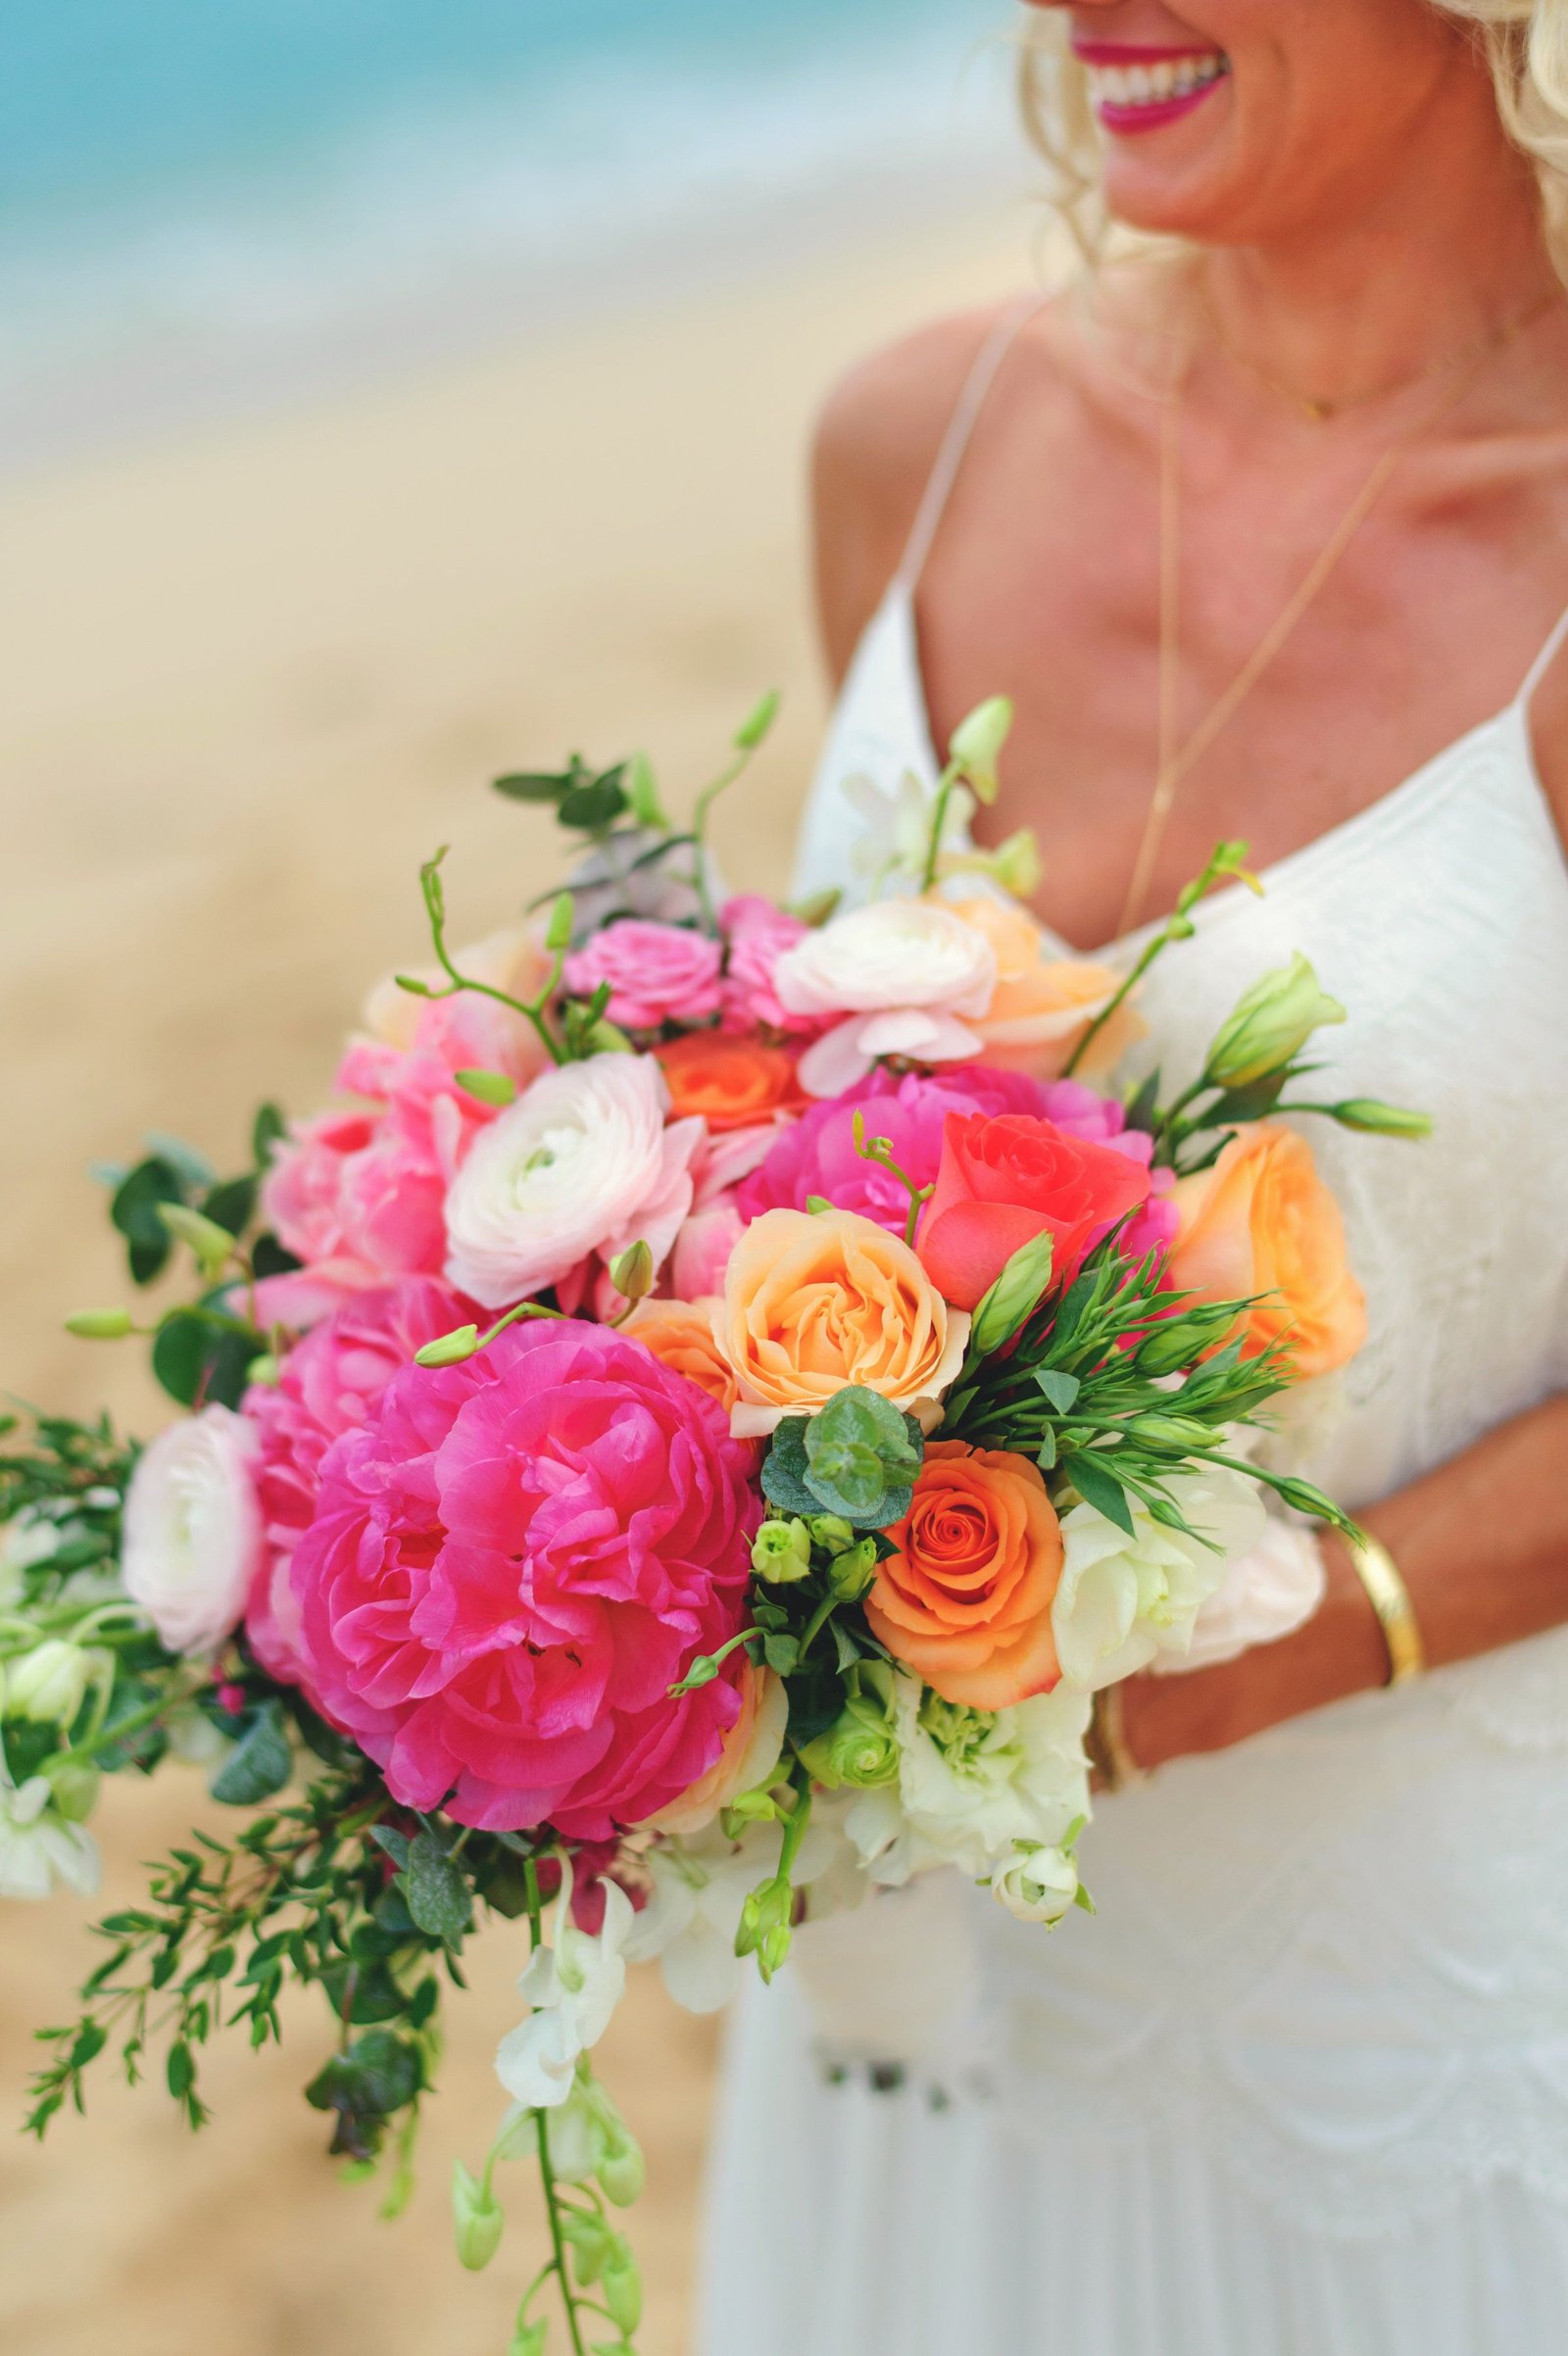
x,y
904,974
193,1530
573,1986
583,1162
1121,1600
38,1846
1266,1593
1040,1886
974,1783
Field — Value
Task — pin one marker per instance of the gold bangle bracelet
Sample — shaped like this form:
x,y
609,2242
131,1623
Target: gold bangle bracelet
x,y
1106,1742
1389,1598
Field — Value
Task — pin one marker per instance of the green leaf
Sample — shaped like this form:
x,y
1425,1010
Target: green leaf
x,y
231,1205
379,2073
1143,1108
863,1456
1060,1389
270,1258
135,1211
849,1652
536,785
784,1469
180,2070
201,1355
782,1654
1046,1455
1099,1486
395,1843
259,1763
593,805
267,1132
436,1891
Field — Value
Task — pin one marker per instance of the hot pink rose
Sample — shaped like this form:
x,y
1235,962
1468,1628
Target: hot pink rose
x,y
656,972
757,935
511,1564
328,1385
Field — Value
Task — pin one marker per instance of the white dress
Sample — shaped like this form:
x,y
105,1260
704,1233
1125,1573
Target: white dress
x,y
1301,2089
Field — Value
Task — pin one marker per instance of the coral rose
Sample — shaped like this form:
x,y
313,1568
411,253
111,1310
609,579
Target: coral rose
x,y
1005,1180
509,1565
1042,1005
812,1304
681,1334
965,1602
731,1082
1262,1221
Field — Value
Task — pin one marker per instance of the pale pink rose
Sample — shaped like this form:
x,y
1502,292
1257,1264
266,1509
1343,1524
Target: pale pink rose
x,y
656,974
757,935
703,1248
582,1165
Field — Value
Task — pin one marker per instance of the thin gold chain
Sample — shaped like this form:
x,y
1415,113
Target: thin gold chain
x,y
1323,411
1174,761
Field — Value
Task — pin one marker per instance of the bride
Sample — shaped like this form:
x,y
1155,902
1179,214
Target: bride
x,y
1259,523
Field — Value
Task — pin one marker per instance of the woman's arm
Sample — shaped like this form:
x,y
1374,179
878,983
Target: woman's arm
x,y
1483,1547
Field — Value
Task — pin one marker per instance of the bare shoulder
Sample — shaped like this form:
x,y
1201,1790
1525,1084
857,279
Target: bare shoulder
x,y
877,440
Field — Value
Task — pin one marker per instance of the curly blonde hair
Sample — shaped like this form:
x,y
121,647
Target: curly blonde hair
x,y
1525,43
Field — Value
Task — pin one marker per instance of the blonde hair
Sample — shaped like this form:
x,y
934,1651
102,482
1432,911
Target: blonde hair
x,y
1525,43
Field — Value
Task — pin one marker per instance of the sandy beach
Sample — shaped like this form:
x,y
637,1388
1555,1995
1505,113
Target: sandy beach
x,y
254,676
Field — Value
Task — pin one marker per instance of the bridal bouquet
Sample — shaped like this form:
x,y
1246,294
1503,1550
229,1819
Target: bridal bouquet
x,y
679,1445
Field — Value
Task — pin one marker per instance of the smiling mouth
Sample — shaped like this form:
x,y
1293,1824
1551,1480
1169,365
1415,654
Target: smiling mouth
x,y
1135,89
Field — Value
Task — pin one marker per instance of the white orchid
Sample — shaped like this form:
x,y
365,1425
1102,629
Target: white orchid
x,y
1122,1600
699,1887
897,823
973,1784
573,1986
38,1846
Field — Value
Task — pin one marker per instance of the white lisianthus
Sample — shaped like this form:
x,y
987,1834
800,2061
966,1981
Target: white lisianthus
x,y
1266,1593
698,1888
38,1845
903,973
972,1784
582,1164
1040,1886
573,1986
1121,1600
193,1530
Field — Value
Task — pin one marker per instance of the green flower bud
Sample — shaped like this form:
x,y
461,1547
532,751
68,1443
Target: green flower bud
x,y
1014,1296
1373,1119
1179,1340
623,2171
490,1087
832,1533
976,743
557,932
101,1325
757,721
773,1950
642,794
854,1571
1015,863
529,2339
477,2218
590,2241
781,1552
74,1790
623,2293
263,1370
49,1684
632,1273
1271,1024
212,1244
449,1349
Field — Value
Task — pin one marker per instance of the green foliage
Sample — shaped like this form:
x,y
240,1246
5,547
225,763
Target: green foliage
x,y
859,1459
259,1763
586,800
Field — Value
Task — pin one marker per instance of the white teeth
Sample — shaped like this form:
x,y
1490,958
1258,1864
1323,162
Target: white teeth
x,y
1155,85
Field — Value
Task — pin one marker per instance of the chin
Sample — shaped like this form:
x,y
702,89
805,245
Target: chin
x,y
1181,178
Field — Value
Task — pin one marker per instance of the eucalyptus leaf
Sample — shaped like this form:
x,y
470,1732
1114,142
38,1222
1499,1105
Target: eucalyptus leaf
x,y
436,1891
259,1763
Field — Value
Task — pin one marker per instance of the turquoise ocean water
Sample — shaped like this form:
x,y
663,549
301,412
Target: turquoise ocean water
x,y
201,200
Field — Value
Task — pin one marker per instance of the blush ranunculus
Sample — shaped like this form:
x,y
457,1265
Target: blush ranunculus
x,y
509,1565
329,1384
680,1332
1042,1005
1262,1221
729,1083
965,1602
902,973
656,974
814,1302
1006,1181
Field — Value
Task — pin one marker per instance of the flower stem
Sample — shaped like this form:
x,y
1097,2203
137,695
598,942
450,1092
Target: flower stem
x,y
939,819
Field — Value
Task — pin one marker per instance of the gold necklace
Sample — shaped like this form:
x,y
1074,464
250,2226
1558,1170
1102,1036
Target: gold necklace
x,y
1323,412
1174,761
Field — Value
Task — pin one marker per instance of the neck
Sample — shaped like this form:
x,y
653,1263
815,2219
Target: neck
x,y
1446,252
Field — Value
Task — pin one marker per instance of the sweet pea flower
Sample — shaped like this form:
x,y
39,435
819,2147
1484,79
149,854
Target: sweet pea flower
x,y
573,1986
1122,1600
656,973
583,1163
38,1845
903,973
193,1530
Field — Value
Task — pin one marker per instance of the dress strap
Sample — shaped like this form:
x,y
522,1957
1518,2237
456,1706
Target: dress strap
x,y
1544,660
961,426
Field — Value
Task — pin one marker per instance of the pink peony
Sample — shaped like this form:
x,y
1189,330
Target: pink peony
x,y
817,1155
757,934
656,974
328,1385
511,1564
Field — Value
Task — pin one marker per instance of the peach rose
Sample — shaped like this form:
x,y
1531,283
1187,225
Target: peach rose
x,y
965,1602
814,1301
1262,1221
733,1083
1042,1005
750,1752
681,1334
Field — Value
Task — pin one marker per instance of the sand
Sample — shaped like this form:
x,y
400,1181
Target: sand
x,y
253,678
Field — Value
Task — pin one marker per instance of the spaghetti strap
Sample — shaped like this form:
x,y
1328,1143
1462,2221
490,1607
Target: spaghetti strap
x,y
1544,660
961,426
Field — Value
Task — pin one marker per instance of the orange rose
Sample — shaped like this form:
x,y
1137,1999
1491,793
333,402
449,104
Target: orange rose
x,y
733,1083
1262,1221
750,1752
814,1301
682,1336
1042,1005
965,1602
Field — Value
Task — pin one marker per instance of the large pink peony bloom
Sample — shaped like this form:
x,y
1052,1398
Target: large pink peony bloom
x,y
330,1383
511,1564
656,972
